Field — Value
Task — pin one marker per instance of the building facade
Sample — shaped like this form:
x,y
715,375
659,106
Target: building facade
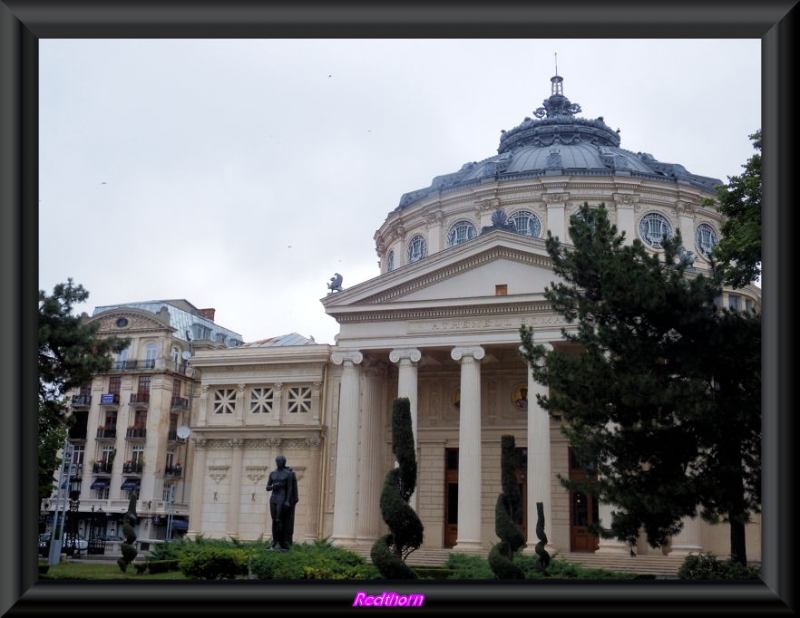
x,y
462,266
128,432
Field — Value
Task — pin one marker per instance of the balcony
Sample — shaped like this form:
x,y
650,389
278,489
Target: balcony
x,y
81,401
132,467
109,399
101,467
136,433
106,433
140,398
179,403
134,365
76,470
173,471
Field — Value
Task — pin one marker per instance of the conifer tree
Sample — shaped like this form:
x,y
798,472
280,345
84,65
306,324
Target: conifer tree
x,y
658,389
405,528
70,355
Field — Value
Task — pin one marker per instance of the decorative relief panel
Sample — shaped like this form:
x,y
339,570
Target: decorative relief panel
x,y
218,473
256,473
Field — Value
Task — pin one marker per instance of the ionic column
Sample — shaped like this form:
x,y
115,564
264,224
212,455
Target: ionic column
x,y
469,449
372,453
198,487
407,361
609,546
539,476
626,204
235,484
689,540
313,495
344,510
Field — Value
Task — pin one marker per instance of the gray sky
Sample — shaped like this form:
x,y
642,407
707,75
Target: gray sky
x,y
241,174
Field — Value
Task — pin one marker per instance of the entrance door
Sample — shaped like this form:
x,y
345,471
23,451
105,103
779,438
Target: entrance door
x,y
450,497
583,512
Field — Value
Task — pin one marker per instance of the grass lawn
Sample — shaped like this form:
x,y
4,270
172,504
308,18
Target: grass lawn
x,y
83,570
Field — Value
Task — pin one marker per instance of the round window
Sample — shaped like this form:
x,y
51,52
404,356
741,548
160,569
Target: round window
x,y
122,322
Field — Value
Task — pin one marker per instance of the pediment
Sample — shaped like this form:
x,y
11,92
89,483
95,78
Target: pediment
x,y
473,272
138,320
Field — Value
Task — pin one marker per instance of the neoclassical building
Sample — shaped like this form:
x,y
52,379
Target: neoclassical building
x,y
462,266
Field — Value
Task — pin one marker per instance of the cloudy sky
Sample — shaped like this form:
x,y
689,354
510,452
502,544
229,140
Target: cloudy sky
x,y
242,174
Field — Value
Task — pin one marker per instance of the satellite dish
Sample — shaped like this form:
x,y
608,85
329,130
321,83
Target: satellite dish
x,y
183,432
186,355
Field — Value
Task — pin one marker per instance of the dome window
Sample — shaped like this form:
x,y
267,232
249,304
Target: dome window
x,y
705,238
653,228
527,223
390,261
461,232
417,249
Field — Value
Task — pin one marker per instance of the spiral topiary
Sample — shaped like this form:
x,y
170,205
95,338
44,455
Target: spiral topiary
x,y
390,551
544,557
128,548
506,514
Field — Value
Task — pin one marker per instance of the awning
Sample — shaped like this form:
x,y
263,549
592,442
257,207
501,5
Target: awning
x,y
179,524
130,485
100,484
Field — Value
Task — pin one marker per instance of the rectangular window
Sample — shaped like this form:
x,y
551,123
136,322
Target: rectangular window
x,y
111,419
114,385
224,401
299,399
501,290
261,400
137,454
144,385
176,388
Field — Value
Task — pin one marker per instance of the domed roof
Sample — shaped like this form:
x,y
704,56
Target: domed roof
x,y
558,143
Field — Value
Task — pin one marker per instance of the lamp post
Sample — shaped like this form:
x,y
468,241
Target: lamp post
x,y
54,556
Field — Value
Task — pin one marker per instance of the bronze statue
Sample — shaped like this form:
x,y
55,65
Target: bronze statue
x,y
283,485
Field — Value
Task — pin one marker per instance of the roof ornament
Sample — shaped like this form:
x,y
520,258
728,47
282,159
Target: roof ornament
x,y
557,104
336,284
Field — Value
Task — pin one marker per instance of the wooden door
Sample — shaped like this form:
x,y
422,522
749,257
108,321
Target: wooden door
x,y
450,497
583,512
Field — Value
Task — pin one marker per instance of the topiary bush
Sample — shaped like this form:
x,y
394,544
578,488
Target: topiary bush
x,y
128,548
708,566
506,514
405,528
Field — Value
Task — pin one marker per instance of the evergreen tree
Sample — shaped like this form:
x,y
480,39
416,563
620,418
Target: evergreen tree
x,y
659,389
507,512
739,249
70,354
405,528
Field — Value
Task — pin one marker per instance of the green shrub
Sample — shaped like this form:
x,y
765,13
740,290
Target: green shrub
x,y
465,566
213,563
708,566
318,560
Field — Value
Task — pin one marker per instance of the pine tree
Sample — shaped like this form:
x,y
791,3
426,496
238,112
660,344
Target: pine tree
x,y
70,354
739,249
658,389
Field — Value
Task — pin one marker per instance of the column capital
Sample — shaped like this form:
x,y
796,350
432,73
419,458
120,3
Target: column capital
x,y
476,352
412,354
341,356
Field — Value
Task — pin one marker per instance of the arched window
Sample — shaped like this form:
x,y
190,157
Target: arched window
x,y
527,223
390,261
417,249
653,228
705,238
461,232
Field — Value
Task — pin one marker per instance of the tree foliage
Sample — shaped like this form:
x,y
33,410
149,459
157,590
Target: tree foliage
x,y
659,389
405,528
70,354
739,249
